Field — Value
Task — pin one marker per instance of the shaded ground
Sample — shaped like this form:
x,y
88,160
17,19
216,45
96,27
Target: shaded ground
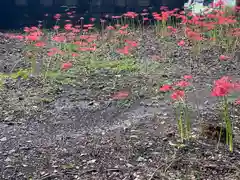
x,y
80,132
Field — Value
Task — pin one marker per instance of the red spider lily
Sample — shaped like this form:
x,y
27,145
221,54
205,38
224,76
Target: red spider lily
x,y
54,51
224,58
59,38
187,77
86,37
122,32
57,16
178,95
116,17
88,48
145,19
110,28
225,20
80,43
218,4
75,30
40,44
194,35
131,15
32,37
183,18
88,25
34,28
92,19
75,54
117,25
181,43
172,29
157,16
144,14
131,43
182,83
68,27
66,66
124,51
165,16
124,27
165,88
163,8
222,87
56,27
120,95
26,29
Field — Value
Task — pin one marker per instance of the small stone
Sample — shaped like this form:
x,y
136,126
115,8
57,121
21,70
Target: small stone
x,y
11,151
91,161
3,139
8,159
129,165
140,159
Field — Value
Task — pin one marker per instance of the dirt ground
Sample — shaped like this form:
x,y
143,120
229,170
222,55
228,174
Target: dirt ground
x,y
66,132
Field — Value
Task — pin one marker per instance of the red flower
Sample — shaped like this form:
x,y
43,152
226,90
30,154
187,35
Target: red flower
x,y
124,50
181,43
165,88
68,27
222,87
40,44
172,29
121,95
92,19
56,27
32,37
66,66
187,77
57,16
131,43
182,83
224,58
110,28
177,95
74,54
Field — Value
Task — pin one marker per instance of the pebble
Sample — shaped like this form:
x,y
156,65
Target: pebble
x,y
91,161
3,139
139,159
8,159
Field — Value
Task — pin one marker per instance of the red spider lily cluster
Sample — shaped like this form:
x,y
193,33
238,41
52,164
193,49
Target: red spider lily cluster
x,y
224,86
128,47
176,93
